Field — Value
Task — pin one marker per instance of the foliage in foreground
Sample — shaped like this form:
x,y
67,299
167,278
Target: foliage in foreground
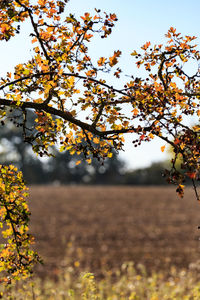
x,y
124,284
16,258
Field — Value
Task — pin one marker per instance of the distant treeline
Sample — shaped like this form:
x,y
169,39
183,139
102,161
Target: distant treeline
x,y
62,168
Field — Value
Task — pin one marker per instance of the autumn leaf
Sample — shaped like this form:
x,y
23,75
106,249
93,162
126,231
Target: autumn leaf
x,y
34,40
142,137
172,30
192,175
101,61
42,2
180,190
138,63
112,17
162,148
78,162
9,74
177,141
151,136
113,59
90,73
146,46
4,28
96,140
135,112
86,16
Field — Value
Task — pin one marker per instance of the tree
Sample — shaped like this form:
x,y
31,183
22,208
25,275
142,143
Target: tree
x,y
62,80
152,175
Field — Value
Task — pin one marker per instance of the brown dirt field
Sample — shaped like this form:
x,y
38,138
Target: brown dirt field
x,y
111,225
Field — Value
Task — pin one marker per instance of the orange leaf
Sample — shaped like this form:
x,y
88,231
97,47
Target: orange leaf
x,y
34,40
145,46
4,28
96,17
101,61
135,112
192,175
177,141
86,16
113,17
162,148
142,137
113,59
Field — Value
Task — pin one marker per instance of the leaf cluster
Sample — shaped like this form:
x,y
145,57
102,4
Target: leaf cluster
x,y
16,258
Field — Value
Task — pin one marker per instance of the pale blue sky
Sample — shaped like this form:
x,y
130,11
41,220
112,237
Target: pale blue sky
x,y
139,21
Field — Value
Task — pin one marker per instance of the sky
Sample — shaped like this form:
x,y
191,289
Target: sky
x,y
139,21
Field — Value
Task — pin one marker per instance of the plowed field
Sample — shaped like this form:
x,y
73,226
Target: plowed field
x,y
102,227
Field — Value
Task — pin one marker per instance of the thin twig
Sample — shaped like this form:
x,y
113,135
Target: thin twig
x,y
195,189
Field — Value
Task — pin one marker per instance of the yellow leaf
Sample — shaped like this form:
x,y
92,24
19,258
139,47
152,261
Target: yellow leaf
x,y
71,68
151,135
78,162
89,161
134,53
70,80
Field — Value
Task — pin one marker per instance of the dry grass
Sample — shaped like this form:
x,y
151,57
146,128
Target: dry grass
x,y
128,285
111,225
